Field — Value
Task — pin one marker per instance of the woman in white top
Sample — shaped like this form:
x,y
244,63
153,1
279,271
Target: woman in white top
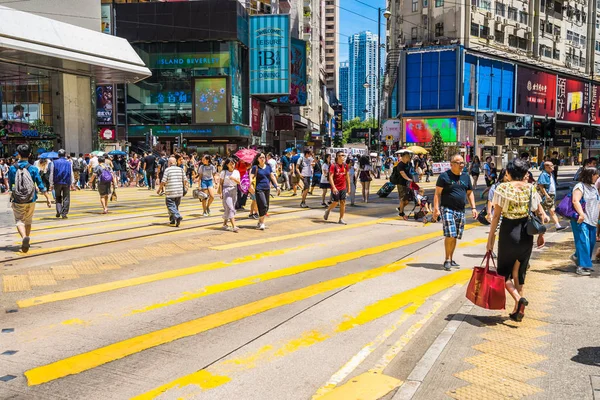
x,y
365,174
230,179
324,183
584,227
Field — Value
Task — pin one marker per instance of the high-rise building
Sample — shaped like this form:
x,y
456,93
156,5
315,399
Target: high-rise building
x,y
343,87
332,16
362,101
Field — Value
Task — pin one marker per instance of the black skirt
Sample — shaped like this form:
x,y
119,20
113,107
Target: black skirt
x,y
514,244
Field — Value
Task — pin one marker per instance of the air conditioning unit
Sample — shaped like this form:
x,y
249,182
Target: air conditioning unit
x,y
504,21
557,39
527,35
498,19
528,29
488,15
490,37
474,9
518,26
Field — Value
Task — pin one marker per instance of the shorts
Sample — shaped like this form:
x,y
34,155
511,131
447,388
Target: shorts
x,y
306,181
489,182
206,184
453,223
104,189
295,179
23,213
549,203
325,185
316,179
340,196
403,192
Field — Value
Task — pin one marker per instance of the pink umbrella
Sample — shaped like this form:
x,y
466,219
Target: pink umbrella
x,y
246,155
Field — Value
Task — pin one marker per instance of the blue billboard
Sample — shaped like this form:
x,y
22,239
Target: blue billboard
x,y
495,84
431,80
270,55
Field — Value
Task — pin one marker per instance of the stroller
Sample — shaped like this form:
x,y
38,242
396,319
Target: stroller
x,y
420,201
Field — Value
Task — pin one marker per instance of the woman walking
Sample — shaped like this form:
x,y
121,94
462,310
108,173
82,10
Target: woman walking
x,y
352,175
324,184
512,201
230,179
207,173
106,179
365,174
475,170
261,177
317,173
584,227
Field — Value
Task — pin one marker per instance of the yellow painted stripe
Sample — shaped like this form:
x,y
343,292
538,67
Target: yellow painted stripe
x,y
367,386
86,361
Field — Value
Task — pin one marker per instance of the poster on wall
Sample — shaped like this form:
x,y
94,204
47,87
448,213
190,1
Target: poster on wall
x,y
270,55
256,116
104,104
420,131
106,19
107,134
211,100
297,94
392,127
536,92
572,100
594,109
486,124
523,126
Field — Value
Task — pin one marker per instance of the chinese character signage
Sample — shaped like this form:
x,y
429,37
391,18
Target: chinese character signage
x,y
174,97
211,100
486,122
104,104
594,106
256,116
572,100
536,92
188,60
297,95
421,130
270,55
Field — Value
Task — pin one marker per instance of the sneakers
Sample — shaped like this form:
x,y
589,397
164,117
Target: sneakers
x,y
583,271
235,230
303,205
225,227
178,222
65,217
447,265
560,228
253,216
205,214
261,227
326,215
57,215
25,244
342,222
208,211
323,204
454,264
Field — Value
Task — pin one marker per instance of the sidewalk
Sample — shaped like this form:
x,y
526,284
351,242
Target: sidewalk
x,y
552,354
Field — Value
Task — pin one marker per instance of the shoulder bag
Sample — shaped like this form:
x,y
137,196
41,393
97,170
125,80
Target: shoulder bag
x,y
534,224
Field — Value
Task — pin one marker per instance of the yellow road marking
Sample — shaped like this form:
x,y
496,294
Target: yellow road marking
x,y
86,361
201,380
367,386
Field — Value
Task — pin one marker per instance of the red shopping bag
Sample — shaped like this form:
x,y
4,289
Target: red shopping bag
x,y
486,288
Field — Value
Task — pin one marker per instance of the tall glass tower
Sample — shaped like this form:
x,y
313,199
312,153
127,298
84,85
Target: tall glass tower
x,y
362,68
343,87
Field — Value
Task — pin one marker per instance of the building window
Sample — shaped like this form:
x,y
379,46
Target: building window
x,y
500,9
524,18
425,3
474,29
485,4
439,29
558,7
583,17
512,13
330,19
413,32
557,30
439,3
598,46
583,41
484,31
549,28
499,36
556,55
512,41
545,51
597,67
542,5
415,5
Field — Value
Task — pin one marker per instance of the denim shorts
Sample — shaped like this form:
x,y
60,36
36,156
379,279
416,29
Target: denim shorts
x,y
206,183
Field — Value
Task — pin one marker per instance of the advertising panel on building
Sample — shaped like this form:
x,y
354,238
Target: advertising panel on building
x,y
104,104
393,128
594,106
523,126
431,80
106,19
486,123
572,100
297,96
420,131
270,55
494,82
211,100
536,92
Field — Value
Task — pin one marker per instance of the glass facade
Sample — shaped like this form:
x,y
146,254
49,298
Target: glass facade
x,y
167,98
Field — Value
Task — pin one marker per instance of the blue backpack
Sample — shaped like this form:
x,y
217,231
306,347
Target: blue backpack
x,y
106,175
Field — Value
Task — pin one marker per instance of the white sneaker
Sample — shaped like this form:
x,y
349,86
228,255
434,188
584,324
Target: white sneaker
x,y
342,222
583,271
261,227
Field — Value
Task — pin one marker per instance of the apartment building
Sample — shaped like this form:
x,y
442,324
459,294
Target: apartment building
x,y
362,101
332,17
343,88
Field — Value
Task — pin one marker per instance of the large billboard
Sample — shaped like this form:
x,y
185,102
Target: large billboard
x,y
211,100
420,131
523,126
594,105
270,55
104,104
486,124
297,96
572,100
536,92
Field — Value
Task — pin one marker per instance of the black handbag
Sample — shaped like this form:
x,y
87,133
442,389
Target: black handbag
x,y
481,217
534,224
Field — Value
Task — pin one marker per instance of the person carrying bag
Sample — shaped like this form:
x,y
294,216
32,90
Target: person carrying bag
x,y
486,288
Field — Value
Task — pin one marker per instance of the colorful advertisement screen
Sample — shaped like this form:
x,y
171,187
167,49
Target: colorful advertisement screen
x,y
211,98
572,100
297,95
104,104
422,130
536,92
594,105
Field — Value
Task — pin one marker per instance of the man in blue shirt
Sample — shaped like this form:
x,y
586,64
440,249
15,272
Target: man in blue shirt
x,y
546,185
296,178
61,178
23,212
285,171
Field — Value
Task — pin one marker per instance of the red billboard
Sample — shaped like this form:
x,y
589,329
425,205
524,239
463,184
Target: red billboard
x,y
572,100
536,92
594,106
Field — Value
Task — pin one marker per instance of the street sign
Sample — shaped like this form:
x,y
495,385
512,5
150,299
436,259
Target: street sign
x,y
360,133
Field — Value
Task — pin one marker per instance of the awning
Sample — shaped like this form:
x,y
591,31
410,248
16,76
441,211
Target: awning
x,y
32,40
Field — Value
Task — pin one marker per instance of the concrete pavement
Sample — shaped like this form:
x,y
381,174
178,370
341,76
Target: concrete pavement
x,y
123,306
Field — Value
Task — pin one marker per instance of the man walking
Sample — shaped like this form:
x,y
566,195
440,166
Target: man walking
x,y
452,190
23,177
172,183
61,177
556,162
295,172
150,168
339,179
285,171
305,167
404,179
546,186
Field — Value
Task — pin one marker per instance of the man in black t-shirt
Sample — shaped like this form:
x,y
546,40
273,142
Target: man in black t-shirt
x,y
150,168
556,161
452,190
404,167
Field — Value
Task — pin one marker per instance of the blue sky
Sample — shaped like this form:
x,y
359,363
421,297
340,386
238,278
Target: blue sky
x,y
352,23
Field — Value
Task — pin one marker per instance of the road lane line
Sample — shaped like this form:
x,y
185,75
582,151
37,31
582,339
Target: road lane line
x,y
269,352
95,358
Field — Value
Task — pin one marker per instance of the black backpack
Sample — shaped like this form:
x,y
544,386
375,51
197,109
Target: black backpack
x,y
395,176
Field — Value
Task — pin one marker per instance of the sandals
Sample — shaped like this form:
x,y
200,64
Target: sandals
x,y
518,316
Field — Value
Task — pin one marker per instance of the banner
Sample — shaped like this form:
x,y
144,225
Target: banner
x,y
392,127
536,92
297,94
572,100
439,167
270,55
104,104
106,19
256,116
523,126
486,124
420,131
211,98
107,134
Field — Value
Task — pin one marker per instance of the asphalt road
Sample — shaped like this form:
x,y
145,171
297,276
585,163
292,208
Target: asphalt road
x,y
123,306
